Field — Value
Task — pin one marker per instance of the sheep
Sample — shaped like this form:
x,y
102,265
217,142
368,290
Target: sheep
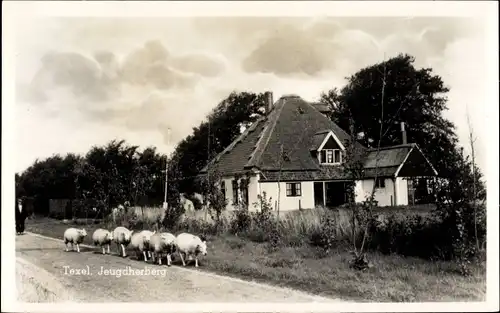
x,y
148,235
140,243
74,236
162,243
122,237
188,244
102,237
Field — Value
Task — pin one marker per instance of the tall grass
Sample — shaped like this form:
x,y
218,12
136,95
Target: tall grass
x,y
294,225
148,215
402,230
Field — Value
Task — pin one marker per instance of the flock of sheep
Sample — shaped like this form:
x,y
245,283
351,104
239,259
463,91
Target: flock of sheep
x,y
146,244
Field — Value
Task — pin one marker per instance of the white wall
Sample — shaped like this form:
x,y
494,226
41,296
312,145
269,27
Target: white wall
x,y
402,186
382,195
289,203
362,191
253,191
359,193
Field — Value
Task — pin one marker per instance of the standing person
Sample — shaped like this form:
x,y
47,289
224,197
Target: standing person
x,y
20,217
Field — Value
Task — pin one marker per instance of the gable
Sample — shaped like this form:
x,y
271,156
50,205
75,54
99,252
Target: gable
x,y
400,160
331,144
416,165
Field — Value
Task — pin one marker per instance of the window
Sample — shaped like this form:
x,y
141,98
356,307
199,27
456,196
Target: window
x,y
380,183
331,156
223,188
235,192
244,191
293,190
337,156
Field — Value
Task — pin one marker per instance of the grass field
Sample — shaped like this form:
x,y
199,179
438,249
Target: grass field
x,y
391,279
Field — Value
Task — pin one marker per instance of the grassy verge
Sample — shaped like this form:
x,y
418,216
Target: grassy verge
x,y
392,279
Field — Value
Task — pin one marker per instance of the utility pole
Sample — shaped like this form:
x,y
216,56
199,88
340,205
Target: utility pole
x,y
208,154
165,203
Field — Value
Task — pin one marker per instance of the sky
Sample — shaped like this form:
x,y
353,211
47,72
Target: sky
x,y
83,81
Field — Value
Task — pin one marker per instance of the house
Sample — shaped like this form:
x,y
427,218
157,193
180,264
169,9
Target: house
x,y
309,172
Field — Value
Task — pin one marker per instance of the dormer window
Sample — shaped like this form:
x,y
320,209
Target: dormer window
x,y
330,156
327,148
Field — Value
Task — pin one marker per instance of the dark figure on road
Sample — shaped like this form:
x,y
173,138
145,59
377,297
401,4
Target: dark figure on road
x,y
20,217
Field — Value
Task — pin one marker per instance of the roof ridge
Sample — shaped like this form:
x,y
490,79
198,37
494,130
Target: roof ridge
x,y
234,142
333,123
405,145
266,132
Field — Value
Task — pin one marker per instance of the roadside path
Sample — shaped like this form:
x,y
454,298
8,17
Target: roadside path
x,y
154,284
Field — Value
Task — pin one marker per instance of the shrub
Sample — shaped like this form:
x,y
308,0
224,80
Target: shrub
x,y
262,221
196,226
324,236
196,202
241,221
275,236
428,237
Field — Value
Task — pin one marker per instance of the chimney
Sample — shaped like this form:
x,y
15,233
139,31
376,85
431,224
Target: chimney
x,y
269,101
403,132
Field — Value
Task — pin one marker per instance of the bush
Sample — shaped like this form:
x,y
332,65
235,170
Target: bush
x,y
241,221
411,235
172,216
196,226
324,236
196,202
429,237
263,225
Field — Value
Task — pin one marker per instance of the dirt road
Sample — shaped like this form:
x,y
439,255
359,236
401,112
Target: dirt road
x,y
92,277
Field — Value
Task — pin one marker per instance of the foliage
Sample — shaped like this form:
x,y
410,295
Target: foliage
x,y
213,195
461,208
325,236
411,95
262,220
214,135
105,177
361,214
242,220
172,215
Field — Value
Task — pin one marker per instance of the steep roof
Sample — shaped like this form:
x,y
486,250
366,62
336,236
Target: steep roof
x,y
293,123
387,156
300,128
390,158
323,108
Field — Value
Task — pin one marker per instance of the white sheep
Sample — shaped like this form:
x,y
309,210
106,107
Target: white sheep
x,y
161,243
74,236
147,238
188,245
140,243
102,237
122,236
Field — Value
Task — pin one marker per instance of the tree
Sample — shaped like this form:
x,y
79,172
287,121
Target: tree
x,y
213,194
52,178
214,135
414,96
362,215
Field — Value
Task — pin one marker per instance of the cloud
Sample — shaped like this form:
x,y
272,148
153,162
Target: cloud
x,y
199,63
290,51
346,44
94,79
104,88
